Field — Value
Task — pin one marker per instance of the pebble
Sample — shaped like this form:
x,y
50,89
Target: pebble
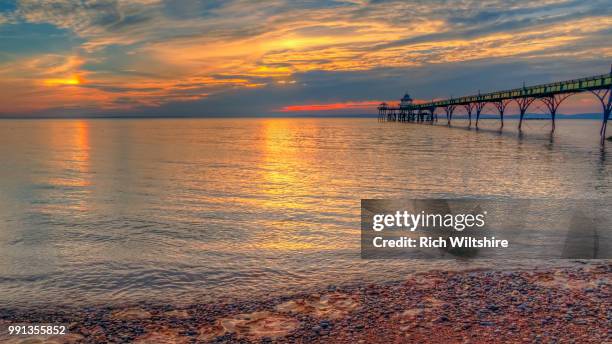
x,y
493,307
443,318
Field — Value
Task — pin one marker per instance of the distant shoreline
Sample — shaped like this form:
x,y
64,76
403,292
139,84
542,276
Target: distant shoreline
x,y
368,116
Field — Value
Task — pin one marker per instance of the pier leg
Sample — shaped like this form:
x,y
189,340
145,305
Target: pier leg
x,y
501,107
604,125
449,113
553,115
468,110
607,109
552,103
606,116
479,107
523,105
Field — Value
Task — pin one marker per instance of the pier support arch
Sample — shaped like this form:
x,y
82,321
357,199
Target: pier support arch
x,y
552,102
469,107
607,109
450,109
501,105
479,106
523,104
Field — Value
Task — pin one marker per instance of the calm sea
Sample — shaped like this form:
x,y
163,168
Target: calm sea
x,y
182,210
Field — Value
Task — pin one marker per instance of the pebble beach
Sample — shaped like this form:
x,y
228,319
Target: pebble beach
x,y
555,305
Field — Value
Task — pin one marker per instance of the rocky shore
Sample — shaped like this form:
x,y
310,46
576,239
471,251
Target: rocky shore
x,y
563,305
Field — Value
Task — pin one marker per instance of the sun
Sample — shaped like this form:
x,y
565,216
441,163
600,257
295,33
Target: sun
x,y
72,80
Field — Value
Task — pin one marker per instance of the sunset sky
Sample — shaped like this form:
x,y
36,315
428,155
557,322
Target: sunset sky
x,y
185,57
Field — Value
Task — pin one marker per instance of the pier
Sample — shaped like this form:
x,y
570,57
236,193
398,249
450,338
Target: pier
x,y
551,95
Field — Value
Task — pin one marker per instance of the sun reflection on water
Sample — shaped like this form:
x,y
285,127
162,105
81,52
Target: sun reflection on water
x,y
70,165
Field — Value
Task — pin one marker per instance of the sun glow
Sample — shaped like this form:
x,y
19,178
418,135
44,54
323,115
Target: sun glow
x,y
73,80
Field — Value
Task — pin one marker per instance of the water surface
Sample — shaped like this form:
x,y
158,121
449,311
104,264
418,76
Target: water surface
x,y
184,210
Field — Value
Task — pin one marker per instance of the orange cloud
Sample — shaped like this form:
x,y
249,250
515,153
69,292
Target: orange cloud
x,y
333,106
158,58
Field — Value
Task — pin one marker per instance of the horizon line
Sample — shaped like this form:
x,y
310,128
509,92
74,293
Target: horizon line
x,y
594,116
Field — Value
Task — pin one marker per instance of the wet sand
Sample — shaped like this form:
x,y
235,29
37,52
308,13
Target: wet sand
x,y
562,305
